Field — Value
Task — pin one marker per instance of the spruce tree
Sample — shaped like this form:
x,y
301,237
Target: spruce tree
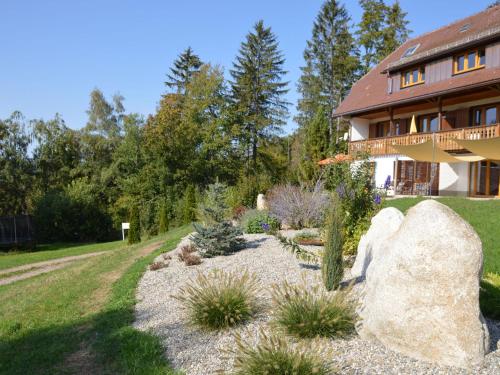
x,y
331,67
396,31
371,31
134,232
186,64
332,266
258,90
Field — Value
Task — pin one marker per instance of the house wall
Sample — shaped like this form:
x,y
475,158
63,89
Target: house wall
x,y
438,70
454,179
359,128
493,56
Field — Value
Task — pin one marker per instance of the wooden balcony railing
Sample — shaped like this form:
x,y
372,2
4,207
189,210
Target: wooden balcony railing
x,y
444,139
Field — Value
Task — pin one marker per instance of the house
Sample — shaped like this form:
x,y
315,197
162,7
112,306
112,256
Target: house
x,y
447,82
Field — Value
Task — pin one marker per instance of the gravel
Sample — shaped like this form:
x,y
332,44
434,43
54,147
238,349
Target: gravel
x,y
203,353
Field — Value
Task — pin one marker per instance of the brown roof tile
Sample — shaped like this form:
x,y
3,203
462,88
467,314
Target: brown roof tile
x,y
370,92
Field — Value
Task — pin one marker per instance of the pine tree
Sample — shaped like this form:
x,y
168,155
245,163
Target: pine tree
x,y
371,32
164,220
189,209
332,267
396,31
186,64
134,232
214,208
258,89
331,67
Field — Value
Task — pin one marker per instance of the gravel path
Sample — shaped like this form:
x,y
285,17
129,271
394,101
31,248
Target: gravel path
x,y
199,353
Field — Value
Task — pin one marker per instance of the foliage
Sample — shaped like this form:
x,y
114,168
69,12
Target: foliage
x,y
308,313
213,208
220,299
157,266
218,239
274,355
189,207
164,220
254,221
188,256
185,66
297,206
308,238
257,91
332,266
134,233
296,250
351,241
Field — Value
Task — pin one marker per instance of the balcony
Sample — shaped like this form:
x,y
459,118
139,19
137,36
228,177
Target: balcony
x,y
444,140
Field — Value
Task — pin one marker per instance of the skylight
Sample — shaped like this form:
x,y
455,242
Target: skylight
x,y
410,51
465,27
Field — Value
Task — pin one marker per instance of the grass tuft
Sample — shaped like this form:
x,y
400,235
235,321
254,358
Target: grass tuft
x,y
275,356
307,313
220,299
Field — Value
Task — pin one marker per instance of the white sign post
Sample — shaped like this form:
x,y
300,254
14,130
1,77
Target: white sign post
x,y
125,226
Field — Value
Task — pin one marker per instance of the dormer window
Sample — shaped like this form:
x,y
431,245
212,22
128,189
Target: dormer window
x,y
413,77
470,60
410,51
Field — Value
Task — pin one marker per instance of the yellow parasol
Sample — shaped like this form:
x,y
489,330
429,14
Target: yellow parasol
x,y
413,126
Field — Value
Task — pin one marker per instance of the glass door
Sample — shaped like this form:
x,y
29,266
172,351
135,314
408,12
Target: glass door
x,y
485,178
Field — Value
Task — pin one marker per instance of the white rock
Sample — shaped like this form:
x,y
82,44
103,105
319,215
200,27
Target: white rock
x,y
261,202
422,290
383,225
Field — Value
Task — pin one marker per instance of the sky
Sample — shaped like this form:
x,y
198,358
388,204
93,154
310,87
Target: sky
x,y
53,53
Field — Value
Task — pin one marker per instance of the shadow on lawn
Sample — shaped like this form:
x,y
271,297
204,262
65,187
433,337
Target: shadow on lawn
x,y
114,347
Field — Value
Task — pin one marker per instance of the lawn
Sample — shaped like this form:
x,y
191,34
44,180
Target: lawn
x,y
78,319
484,216
54,251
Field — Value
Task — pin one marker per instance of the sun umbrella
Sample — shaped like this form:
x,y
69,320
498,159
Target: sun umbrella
x,y
413,126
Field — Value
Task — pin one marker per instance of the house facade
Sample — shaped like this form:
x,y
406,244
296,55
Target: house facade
x,y
429,114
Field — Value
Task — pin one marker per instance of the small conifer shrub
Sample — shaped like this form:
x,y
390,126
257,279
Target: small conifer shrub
x,y
220,299
332,266
308,313
164,219
275,356
189,208
134,232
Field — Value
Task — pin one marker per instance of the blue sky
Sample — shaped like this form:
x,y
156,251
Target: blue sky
x,y
53,53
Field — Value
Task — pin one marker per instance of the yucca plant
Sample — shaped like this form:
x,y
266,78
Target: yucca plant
x,y
275,356
220,299
307,313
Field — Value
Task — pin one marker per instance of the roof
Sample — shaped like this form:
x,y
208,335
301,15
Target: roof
x,y
370,92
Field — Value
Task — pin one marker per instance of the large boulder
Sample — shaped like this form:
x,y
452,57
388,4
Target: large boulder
x,y
383,225
262,203
422,289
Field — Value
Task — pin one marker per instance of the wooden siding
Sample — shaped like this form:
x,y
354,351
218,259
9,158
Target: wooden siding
x,y
456,119
438,70
396,83
493,56
444,139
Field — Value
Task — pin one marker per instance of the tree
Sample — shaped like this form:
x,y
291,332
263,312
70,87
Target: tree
x,y
371,31
331,67
189,209
134,233
332,267
186,64
396,31
258,89
164,219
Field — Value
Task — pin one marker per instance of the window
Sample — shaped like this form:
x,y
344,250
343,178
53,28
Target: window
x,y
412,77
487,115
468,61
428,123
465,27
410,51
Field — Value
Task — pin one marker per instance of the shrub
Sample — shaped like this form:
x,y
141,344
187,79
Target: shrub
x,y
167,256
157,265
164,220
187,255
298,206
332,268
308,238
273,355
134,233
189,205
254,221
192,260
219,239
220,299
310,313
351,240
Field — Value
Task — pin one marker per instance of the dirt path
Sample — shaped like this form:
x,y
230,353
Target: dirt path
x,y
34,269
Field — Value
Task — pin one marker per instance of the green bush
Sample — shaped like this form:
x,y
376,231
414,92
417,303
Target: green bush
x,y
189,206
274,356
220,299
254,221
351,240
134,233
332,266
218,239
164,219
310,313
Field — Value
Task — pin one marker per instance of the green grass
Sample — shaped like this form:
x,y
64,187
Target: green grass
x,y
81,316
54,251
484,216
